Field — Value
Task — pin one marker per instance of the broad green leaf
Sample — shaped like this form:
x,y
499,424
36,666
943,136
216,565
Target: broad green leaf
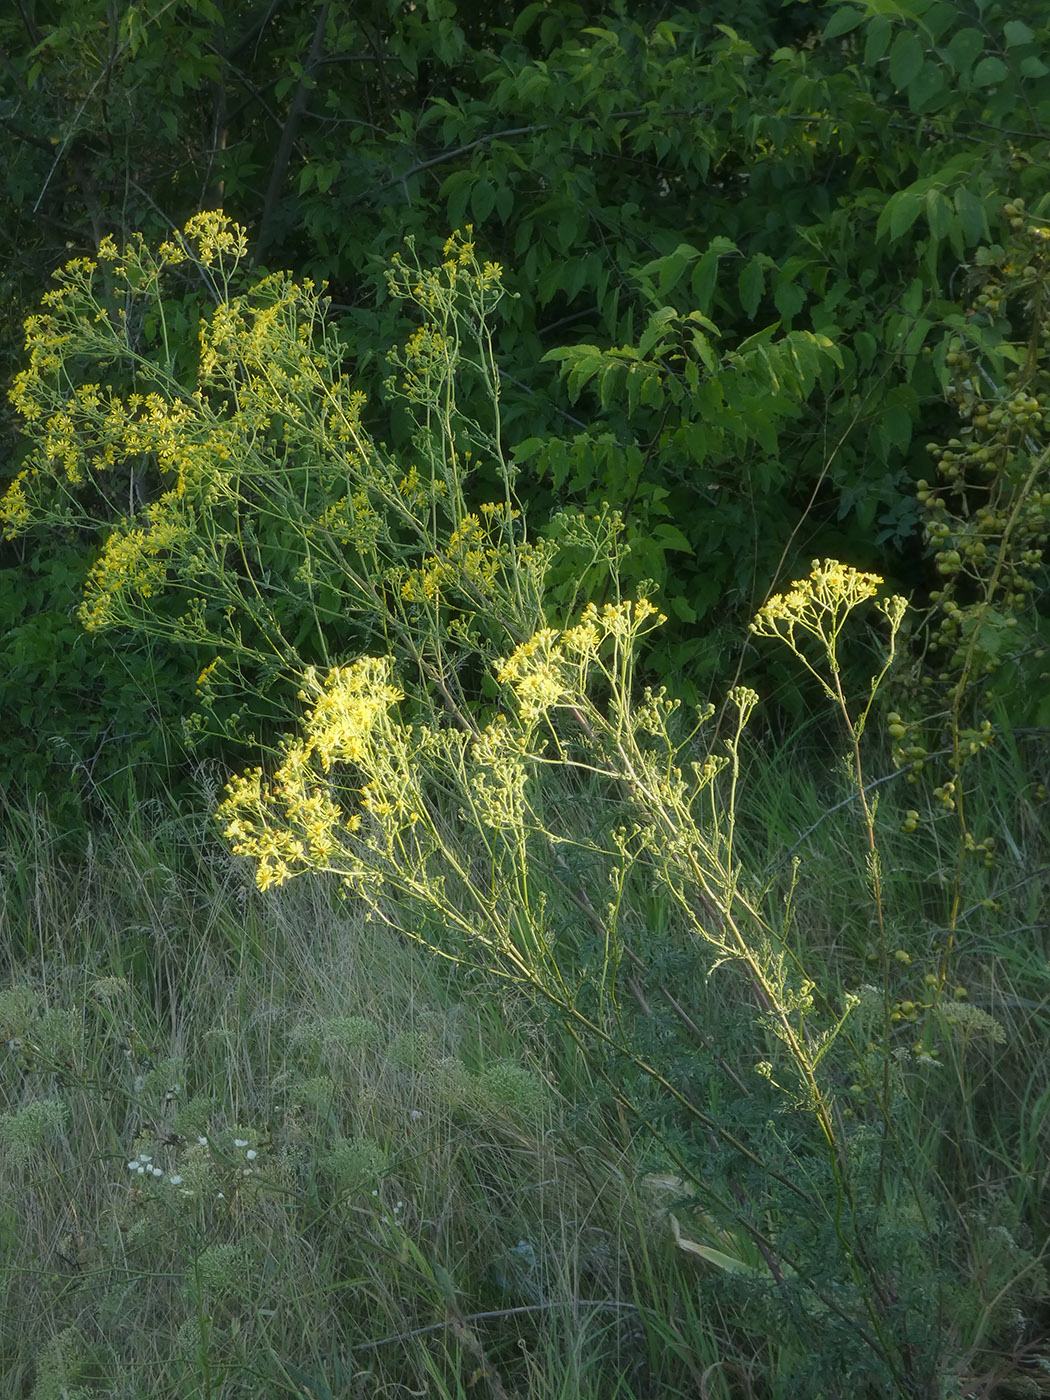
x,y
865,347
456,191
670,537
899,213
906,57
971,214
929,90
651,389
705,273
963,49
505,199
878,41
658,323
989,71
916,336
789,299
1016,32
611,382
1032,67
913,296
750,285
844,19
704,351
668,270
527,449
938,19
938,214
897,424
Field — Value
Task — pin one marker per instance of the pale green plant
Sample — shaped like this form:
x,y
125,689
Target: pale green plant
x,y
29,1132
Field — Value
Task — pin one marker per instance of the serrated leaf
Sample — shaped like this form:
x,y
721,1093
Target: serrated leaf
x,y
750,286
658,323
611,381
527,449
704,351
789,299
582,372
971,215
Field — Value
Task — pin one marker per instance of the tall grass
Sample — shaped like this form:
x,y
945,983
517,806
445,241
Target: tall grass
x,y
443,1192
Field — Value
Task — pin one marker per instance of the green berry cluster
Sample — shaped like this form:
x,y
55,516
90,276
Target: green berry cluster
x,y
909,751
986,522
987,516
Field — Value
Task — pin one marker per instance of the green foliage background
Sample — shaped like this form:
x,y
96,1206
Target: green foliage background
x,y
740,239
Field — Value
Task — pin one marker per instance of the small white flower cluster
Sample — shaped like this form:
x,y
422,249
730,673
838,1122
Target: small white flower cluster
x,y
395,1218
142,1165
239,1143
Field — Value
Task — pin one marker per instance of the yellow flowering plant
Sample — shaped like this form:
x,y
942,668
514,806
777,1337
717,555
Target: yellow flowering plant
x,y
477,844
480,776
242,505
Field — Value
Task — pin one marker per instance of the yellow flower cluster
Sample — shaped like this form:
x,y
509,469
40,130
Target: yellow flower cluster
x,y
417,492
429,357
460,276
550,668
213,236
819,606
293,823
348,702
16,511
499,775
473,560
134,563
830,587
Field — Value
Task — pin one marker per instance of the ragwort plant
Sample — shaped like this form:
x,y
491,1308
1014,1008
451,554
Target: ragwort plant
x,y
245,511
482,781
370,797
